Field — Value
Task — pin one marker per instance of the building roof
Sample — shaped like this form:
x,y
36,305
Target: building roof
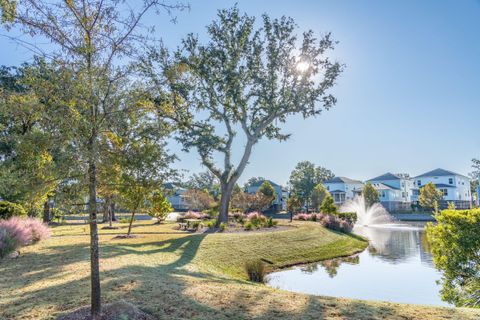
x,y
440,172
342,180
337,191
381,186
386,176
441,185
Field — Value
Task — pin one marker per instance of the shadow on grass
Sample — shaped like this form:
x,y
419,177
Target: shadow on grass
x,y
166,289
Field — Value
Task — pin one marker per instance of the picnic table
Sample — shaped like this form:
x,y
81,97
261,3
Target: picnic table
x,y
188,223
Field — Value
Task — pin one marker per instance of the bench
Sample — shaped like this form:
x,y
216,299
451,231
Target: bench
x,y
182,225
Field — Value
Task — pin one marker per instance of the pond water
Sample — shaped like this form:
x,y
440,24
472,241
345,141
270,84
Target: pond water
x,y
396,267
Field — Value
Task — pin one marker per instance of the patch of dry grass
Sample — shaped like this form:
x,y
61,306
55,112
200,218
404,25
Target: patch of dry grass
x,y
177,275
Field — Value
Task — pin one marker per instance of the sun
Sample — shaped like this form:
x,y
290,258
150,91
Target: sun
x,y
303,66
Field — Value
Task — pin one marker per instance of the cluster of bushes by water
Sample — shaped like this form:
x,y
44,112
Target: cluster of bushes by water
x,y
343,221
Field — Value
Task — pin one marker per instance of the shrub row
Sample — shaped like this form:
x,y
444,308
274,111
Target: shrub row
x,y
193,215
336,222
17,232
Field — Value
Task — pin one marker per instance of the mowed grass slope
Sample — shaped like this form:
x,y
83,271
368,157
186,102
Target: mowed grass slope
x,y
176,275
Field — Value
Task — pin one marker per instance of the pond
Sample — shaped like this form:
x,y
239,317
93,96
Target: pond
x,y
396,267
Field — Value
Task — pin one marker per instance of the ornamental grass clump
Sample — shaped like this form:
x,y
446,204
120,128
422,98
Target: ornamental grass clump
x,y
8,244
211,224
16,232
239,217
223,227
271,223
195,215
301,217
38,230
257,219
255,270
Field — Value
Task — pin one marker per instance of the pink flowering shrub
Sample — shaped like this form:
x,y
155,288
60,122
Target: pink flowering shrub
x,y
317,216
346,226
13,235
302,217
17,232
38,230
16,228
338,224
195,215
192,215
7,243
327,220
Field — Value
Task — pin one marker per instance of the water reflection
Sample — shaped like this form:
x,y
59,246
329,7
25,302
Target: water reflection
x,y
397,267
397,243
330,266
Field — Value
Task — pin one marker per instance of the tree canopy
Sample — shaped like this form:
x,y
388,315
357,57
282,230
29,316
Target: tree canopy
x,y
318,195
305,177
246,79
430,196
204,181
328,205
254,180
370,195
455,245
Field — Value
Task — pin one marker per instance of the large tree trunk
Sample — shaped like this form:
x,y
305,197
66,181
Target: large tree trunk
x,y
106,210
96,307
227,189
112,211
227,182
110,214
46,212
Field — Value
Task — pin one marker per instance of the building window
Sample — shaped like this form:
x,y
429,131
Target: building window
x,y
337,197
450,180
419,182
444,192
404,195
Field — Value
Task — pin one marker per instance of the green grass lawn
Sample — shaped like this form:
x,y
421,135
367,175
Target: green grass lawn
x,y
176,275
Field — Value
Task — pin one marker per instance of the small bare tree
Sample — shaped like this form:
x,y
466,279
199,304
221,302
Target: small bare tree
x,y
199,199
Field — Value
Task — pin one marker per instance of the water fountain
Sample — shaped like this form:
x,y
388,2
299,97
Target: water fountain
x,y
376,214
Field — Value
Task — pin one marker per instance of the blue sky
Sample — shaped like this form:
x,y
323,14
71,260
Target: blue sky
x,y
408,101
